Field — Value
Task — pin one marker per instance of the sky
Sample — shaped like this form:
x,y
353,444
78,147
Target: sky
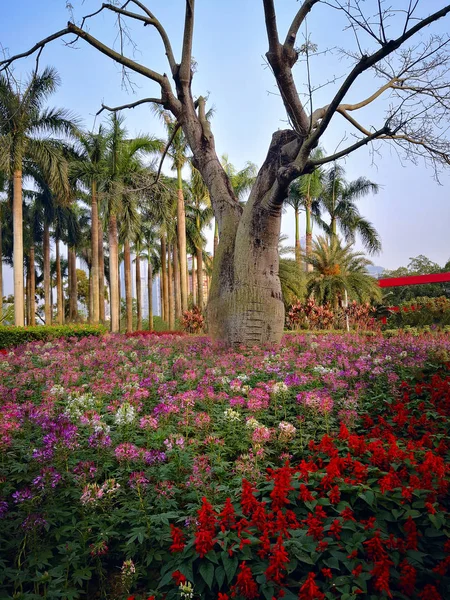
x,y
411,211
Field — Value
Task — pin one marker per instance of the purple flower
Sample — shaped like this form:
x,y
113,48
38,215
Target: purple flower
x,y
21,495
3,509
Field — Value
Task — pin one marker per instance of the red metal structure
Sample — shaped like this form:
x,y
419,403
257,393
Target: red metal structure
x,y
414,280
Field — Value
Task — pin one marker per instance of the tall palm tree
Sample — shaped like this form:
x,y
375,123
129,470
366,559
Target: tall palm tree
x,y
201,214
304,194
23,121
337,271
92,169
124,166
338,198
2,219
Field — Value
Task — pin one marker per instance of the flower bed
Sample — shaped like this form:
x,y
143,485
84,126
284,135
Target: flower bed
x,y
14,336
172,468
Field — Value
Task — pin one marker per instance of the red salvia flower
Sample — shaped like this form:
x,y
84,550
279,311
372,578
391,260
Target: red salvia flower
x,y
305,494
336,528
178,577
412,534
223,596
278,561
227,516
282,486
309,590
204,536
245,584
430,592
327,573
334,495
408,575
178,541
248,501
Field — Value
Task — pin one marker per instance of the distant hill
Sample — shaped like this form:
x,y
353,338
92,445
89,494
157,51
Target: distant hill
x,y
375,270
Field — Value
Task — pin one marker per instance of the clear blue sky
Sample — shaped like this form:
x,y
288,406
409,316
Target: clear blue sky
x,y
412,212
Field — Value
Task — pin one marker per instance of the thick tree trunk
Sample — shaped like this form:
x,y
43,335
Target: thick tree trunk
x,y
94,256
176,281
18,249
150,291
138,291
170,289
59,287
114,274
165,298
32,287
201,301
181,231
101,274
47,291
128,292
216,237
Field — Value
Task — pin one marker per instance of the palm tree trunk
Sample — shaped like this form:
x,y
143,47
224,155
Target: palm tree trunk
x,y
18,248
333,227
1,269
32,287
90,300
128,292
200,296
161,294
309,267
69,283
165,302
74,284
27,293
150,290
177,283
101,274
47,291
114,273
71,260
138,290
181,230
216,237
194,282
59,287
170,289
298,248
94,256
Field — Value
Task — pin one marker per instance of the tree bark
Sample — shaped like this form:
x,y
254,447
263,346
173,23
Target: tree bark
x,y
27,293
73,285
47,291
94,256
150,290
170,289
90,299
309,267
200,296
193,281
32,287
298,248
114,274
138,291
128,292
165,299
181,231
101,274
59,290
161,302
216,237
177,282
18,249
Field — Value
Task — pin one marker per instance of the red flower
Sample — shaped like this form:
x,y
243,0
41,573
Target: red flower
x,y
357,571
408,576
336,529
245,584
430,593
178,541
248,501
227,516
327,573
282,486
309,590
178,577
277,562
347,514
412,535
334,495
305,494
222,596
204,536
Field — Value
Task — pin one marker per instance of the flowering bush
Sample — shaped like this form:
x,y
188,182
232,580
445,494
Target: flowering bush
x,y
173,468
193,320
420,312
309,315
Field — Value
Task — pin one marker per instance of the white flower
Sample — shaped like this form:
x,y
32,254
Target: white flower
x,y
252,423
78,404
403,354
287,430
125,414
232,415
242,377
186,590
279,388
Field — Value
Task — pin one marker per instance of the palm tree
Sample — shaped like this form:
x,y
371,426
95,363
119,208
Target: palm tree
x,y
338,198
91,168
2,218
303,195
22,121
124,167
200,214
339,271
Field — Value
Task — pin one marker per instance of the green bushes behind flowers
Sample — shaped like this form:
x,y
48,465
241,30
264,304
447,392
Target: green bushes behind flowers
x,y
14,336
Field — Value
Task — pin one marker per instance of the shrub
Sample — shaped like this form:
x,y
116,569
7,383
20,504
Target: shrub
x,y
14,336
193,320
421,312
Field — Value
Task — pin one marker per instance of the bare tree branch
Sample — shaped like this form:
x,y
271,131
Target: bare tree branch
x,y
186,55
131,105
297,22
5,63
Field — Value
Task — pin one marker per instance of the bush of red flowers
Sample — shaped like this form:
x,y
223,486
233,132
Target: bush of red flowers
x,y
193,321
363,514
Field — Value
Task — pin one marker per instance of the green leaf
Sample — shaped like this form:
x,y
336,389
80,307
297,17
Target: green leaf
x,y
220,576
207,572
230,564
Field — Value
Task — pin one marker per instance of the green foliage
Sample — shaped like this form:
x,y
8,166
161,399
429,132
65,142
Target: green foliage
x,y
421,312
14,336
420,265
293,281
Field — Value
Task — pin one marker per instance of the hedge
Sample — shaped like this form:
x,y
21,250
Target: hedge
x,y
14,336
